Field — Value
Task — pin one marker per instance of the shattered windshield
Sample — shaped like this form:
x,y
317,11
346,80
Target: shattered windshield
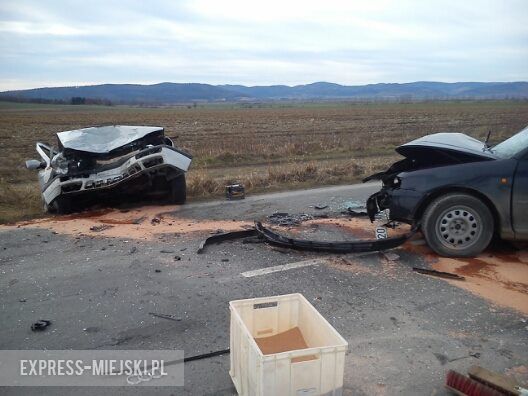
x,y
512,146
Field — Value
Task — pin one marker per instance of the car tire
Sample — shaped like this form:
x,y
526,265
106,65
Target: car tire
x,y
178,190
458,225
61,205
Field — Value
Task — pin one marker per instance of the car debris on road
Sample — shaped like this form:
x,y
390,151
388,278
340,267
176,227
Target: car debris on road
x,y
440,274
235,191
40,325
218,238
267,235
358,246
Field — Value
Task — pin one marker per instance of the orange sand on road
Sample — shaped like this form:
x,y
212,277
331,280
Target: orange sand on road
x,y
359,228
142,223
500,277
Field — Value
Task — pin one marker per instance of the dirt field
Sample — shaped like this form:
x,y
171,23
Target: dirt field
x,y
266,147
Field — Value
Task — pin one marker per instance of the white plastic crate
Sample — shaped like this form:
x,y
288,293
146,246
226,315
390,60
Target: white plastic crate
x,y
285,373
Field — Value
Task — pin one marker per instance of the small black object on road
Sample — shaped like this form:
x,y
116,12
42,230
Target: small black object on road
x,y
40,325
235,191
440,274
165,316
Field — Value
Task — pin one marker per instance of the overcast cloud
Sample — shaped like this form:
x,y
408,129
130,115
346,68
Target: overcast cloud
x,y
55,43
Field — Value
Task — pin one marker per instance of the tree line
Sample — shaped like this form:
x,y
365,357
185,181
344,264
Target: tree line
x,y
75,100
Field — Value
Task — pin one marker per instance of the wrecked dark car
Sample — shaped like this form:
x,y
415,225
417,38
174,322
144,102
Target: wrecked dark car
x,y
458,190
109,161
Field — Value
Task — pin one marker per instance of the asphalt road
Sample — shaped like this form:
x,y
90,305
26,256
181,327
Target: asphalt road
x,y
402,327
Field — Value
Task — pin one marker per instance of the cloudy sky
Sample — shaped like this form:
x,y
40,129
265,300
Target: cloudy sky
x,y
55,43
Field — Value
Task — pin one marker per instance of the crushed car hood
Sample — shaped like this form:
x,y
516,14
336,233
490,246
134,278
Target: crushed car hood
x,y
450,143
102,140
439,149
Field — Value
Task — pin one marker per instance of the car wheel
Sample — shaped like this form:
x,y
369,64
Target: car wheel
x,y
178,189
61,205
457,225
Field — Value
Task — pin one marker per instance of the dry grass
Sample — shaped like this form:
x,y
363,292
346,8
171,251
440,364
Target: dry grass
x,y
203,183
266,148
19,201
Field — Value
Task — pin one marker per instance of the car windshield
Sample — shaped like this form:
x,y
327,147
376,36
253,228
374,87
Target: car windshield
x,y
512,146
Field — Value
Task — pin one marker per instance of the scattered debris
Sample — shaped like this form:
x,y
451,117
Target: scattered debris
x,y
165,316
235,191
287,220
225,237
337,246
354,213
391,256
440,274
99,228
475,355
207,355
349,205
252,240
155,220
177,258
40,325
92,329
199,357
139,220
321,206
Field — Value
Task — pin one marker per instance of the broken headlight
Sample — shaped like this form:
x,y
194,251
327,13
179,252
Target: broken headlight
x,y
60,164
392,182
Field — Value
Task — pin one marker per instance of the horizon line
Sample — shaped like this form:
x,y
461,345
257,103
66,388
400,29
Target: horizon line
x,y
264,85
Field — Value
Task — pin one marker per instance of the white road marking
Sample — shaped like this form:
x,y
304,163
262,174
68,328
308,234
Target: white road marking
x,y
280,268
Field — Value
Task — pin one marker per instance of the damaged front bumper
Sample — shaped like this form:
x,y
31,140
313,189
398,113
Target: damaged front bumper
x,y
332,247
278,239
148,162
401,204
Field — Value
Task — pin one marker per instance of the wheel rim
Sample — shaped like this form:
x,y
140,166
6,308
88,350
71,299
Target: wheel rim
x,y
458,227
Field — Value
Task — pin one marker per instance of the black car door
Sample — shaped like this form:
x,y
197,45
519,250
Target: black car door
x,y
520,199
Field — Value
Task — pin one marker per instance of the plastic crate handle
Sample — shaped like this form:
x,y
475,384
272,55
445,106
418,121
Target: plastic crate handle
x,y
269,304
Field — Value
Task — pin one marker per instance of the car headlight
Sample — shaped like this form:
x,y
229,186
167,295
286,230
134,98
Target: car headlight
x,y
397,181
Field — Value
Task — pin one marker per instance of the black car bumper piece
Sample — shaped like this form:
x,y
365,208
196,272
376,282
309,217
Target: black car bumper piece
x,y
333,247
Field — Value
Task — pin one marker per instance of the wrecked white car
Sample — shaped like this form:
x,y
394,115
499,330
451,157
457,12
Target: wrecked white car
x,y
108,163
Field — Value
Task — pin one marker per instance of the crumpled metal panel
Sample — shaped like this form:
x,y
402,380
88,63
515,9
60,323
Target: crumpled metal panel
x,y
101,140
446,141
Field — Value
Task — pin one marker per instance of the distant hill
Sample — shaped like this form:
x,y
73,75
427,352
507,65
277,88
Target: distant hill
x,y
167,93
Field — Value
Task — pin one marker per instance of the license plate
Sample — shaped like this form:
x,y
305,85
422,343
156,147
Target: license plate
x,y
381,233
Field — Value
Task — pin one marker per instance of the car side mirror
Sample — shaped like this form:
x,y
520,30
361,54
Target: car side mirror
x,y
35,164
